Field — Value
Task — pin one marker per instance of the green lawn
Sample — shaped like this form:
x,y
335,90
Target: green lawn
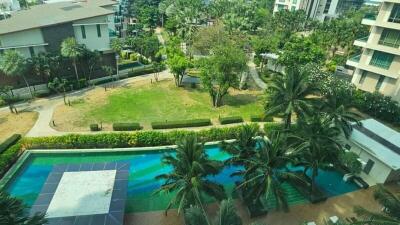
x,y
163,101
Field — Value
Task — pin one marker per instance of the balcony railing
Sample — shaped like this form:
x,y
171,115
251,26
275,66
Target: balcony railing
x,y
393,44
371,16
355,58
364,39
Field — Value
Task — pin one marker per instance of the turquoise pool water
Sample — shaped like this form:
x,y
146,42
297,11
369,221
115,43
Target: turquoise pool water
x,y
141,185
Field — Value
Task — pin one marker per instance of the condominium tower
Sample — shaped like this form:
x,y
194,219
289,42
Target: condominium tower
x,y
377,67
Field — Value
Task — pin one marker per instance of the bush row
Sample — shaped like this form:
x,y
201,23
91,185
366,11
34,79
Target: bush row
x,y
8,157
231,119
261,118
9,141
181,123
123,139
126,126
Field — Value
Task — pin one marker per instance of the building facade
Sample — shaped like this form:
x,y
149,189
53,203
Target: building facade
x,y
377,67
318,9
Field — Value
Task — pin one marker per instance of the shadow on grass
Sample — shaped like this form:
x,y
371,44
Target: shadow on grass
x,y
240,99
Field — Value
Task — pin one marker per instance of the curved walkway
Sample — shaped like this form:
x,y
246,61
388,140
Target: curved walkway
x,y
254,74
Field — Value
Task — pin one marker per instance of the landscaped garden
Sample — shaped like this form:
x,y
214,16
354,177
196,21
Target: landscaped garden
x,y
145,103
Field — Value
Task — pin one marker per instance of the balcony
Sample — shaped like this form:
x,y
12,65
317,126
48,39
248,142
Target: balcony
x,y
361,42
393,44
354,60
369,19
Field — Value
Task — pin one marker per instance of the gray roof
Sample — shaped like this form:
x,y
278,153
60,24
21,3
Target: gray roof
x,y
382,141
51,14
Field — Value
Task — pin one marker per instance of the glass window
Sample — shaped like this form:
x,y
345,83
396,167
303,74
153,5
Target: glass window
x,y
381,59
390,37
362,78
83,31
31,51
369,166
293,8
98,30
327,6
380,82
395,14
294,1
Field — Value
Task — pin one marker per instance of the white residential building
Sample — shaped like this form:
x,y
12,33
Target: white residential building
x,y
318,9
378,148
42,28
377,67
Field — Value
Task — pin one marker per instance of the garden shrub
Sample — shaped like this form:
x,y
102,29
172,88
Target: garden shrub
x,y
181,123
9,141
270,127
94,127
123,139
231,119
261,118
133,57
8,157
126,126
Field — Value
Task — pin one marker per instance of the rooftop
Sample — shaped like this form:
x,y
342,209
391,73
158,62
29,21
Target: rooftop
x,y
380,140
55,13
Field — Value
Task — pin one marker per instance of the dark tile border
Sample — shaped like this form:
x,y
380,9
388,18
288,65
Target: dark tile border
x,y
115,216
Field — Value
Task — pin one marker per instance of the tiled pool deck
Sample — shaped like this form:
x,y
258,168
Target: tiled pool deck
x,y
72,194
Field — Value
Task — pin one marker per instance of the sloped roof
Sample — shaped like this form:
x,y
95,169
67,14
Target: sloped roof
x,y
380,140
54,13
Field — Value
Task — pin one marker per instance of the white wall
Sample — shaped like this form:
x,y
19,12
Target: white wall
x,y
92,41
24,38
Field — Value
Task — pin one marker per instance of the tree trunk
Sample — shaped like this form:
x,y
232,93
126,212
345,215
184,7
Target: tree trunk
x,y
314,175
27,85
288,121
11,108
76,72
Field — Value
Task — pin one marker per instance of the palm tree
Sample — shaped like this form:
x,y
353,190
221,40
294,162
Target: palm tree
x,y
316,145
12,211
191,166
340,115
244,145
71,49
226,215
12,63
265,171
41,65
391,209
289,94
58,85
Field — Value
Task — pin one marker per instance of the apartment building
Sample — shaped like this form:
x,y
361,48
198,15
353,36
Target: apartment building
x,y
42,28
377,67
318,9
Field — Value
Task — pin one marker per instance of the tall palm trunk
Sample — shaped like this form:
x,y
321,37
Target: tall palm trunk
x,y
76,70
288,121
27,85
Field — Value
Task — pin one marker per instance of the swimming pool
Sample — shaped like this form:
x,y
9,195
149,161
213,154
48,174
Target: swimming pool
x,y
28,182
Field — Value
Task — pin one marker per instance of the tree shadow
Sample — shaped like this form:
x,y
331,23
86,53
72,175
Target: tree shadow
x,y
240,99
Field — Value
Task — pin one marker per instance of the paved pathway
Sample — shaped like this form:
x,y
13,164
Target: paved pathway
x,y
254,74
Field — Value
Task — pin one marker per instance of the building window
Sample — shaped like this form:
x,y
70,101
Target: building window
x,y
395,14
294,1
363,76
98,30
282,0
327,6
32,51
380,82
381,59
83,31
293,8
390,37
369,166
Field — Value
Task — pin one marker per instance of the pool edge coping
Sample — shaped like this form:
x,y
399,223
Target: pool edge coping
x,y
25,155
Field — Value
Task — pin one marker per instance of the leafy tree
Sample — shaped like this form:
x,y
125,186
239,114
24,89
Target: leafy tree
x,y
288,23
209,37
265,172
188,180
71,49
289,94
300,51
12,63
221,71
117,45
41,65
58,85
226,215
316,144
350,160
109,71
178,65
391,209
7,96
92,59
12,211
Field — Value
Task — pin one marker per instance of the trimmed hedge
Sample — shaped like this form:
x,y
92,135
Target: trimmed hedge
x,y
126,126
94,127
123,139
261,118
231,119
181,124
9,141
8,157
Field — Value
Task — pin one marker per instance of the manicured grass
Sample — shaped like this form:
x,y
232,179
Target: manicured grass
x,y
163,101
